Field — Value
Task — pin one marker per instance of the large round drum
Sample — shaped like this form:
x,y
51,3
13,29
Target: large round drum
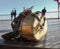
x,y
32,29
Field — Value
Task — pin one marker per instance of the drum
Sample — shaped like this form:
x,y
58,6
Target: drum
x,y
28,28
32,26
32,29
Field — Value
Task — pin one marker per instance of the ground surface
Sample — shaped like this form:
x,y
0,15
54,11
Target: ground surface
x,y
52,39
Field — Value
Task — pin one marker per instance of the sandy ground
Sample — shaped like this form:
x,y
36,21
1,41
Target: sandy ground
x,y
52,39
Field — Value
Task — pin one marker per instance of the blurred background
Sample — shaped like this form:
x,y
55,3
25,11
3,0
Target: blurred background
x,y
6,7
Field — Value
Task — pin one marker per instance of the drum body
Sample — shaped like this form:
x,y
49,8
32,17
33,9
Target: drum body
x,y
30,28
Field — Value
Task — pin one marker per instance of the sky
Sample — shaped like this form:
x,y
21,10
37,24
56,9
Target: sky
x,y
7,5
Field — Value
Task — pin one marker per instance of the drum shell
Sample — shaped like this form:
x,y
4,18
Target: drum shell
x,y
29,33
27,30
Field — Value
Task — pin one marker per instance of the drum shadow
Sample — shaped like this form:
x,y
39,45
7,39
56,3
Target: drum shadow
x,y
20,42
23,42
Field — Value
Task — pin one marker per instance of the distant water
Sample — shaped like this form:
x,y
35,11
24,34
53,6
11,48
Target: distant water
x,y
48,15
5,17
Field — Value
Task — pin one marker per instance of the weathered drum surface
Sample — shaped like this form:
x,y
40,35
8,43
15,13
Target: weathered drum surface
x,y
32,27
